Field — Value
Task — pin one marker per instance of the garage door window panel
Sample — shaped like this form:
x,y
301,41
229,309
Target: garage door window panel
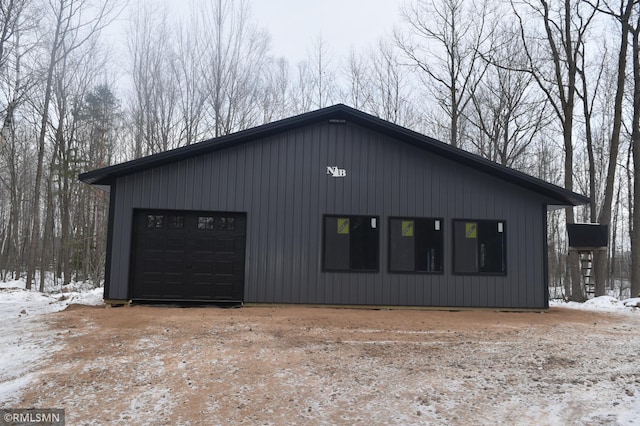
x,y
155,221
175,222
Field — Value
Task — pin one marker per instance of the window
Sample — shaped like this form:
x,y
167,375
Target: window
x,y
479,247
415,245
154,221
350,243
206,222
218,223
175,222
226,224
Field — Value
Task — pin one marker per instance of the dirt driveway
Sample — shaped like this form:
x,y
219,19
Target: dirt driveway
x,y
301,365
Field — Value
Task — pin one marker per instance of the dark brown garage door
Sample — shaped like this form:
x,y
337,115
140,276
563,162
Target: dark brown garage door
x,y
188,256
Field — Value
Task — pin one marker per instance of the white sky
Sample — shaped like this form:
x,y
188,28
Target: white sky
x,y
343,24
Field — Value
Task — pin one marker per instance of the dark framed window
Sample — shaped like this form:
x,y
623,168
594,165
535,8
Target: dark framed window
x,y
351,243
415,244
479,247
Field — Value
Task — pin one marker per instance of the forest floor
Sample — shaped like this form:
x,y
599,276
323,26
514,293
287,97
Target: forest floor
x,y
304,365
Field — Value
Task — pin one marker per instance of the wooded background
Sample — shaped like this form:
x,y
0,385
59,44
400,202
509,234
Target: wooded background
x,y
551,88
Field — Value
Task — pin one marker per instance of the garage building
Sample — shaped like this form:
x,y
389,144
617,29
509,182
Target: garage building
x,y
334,206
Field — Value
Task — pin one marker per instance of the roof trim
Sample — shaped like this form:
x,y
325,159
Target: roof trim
x,y
560,196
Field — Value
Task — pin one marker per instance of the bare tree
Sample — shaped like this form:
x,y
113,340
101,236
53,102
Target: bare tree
x,y
507,113
188,65
552,59
74,22
358,82
391,87
236,52
275,99
155,101
635,140
622,13
444,42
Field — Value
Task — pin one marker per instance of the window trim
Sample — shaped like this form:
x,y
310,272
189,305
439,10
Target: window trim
x,y
414,272
323,267
479,273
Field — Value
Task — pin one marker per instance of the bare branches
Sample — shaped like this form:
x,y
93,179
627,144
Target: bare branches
x,y
444,41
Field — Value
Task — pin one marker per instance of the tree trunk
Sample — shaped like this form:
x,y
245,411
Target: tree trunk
x,y
35,225
601,257
635,141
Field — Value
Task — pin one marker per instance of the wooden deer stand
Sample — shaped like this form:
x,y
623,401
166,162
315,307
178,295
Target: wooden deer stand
x,y
587,238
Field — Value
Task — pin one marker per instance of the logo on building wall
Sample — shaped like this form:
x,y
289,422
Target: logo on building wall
x,y
336,172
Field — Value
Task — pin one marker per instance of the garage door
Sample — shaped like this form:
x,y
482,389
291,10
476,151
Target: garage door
x,y
188,256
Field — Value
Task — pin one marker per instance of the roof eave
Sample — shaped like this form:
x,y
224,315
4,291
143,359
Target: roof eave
x,y
560,196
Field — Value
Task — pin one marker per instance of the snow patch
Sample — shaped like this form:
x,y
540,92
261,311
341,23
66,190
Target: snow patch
x,y
602,304
24,333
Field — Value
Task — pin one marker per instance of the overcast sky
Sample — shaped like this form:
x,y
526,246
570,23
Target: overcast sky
x,y
294,24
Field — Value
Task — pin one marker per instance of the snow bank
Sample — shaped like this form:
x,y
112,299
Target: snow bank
x,y
24,335
602,304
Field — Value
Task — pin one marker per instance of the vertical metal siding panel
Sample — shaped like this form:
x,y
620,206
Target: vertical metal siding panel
x,y
270,161
122,237
537,253
531,266
255,216
263,222
372,172
223,194
170,189
207,183
317,207
246,188
438,208
326,201
275,220
503,286
520,258
518,297
302,218
233,179
318,204
201,184
535,264
118,285
535,280
422,286
278,218
269,168
359,189
384,205
291,221
308,264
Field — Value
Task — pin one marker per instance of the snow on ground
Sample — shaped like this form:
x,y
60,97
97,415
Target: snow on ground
x,y
24,334
27,344
602,304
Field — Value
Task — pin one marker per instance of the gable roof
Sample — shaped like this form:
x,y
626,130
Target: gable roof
x,y
107,175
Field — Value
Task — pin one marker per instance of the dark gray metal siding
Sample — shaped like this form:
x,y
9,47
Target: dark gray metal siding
x,y
282,185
